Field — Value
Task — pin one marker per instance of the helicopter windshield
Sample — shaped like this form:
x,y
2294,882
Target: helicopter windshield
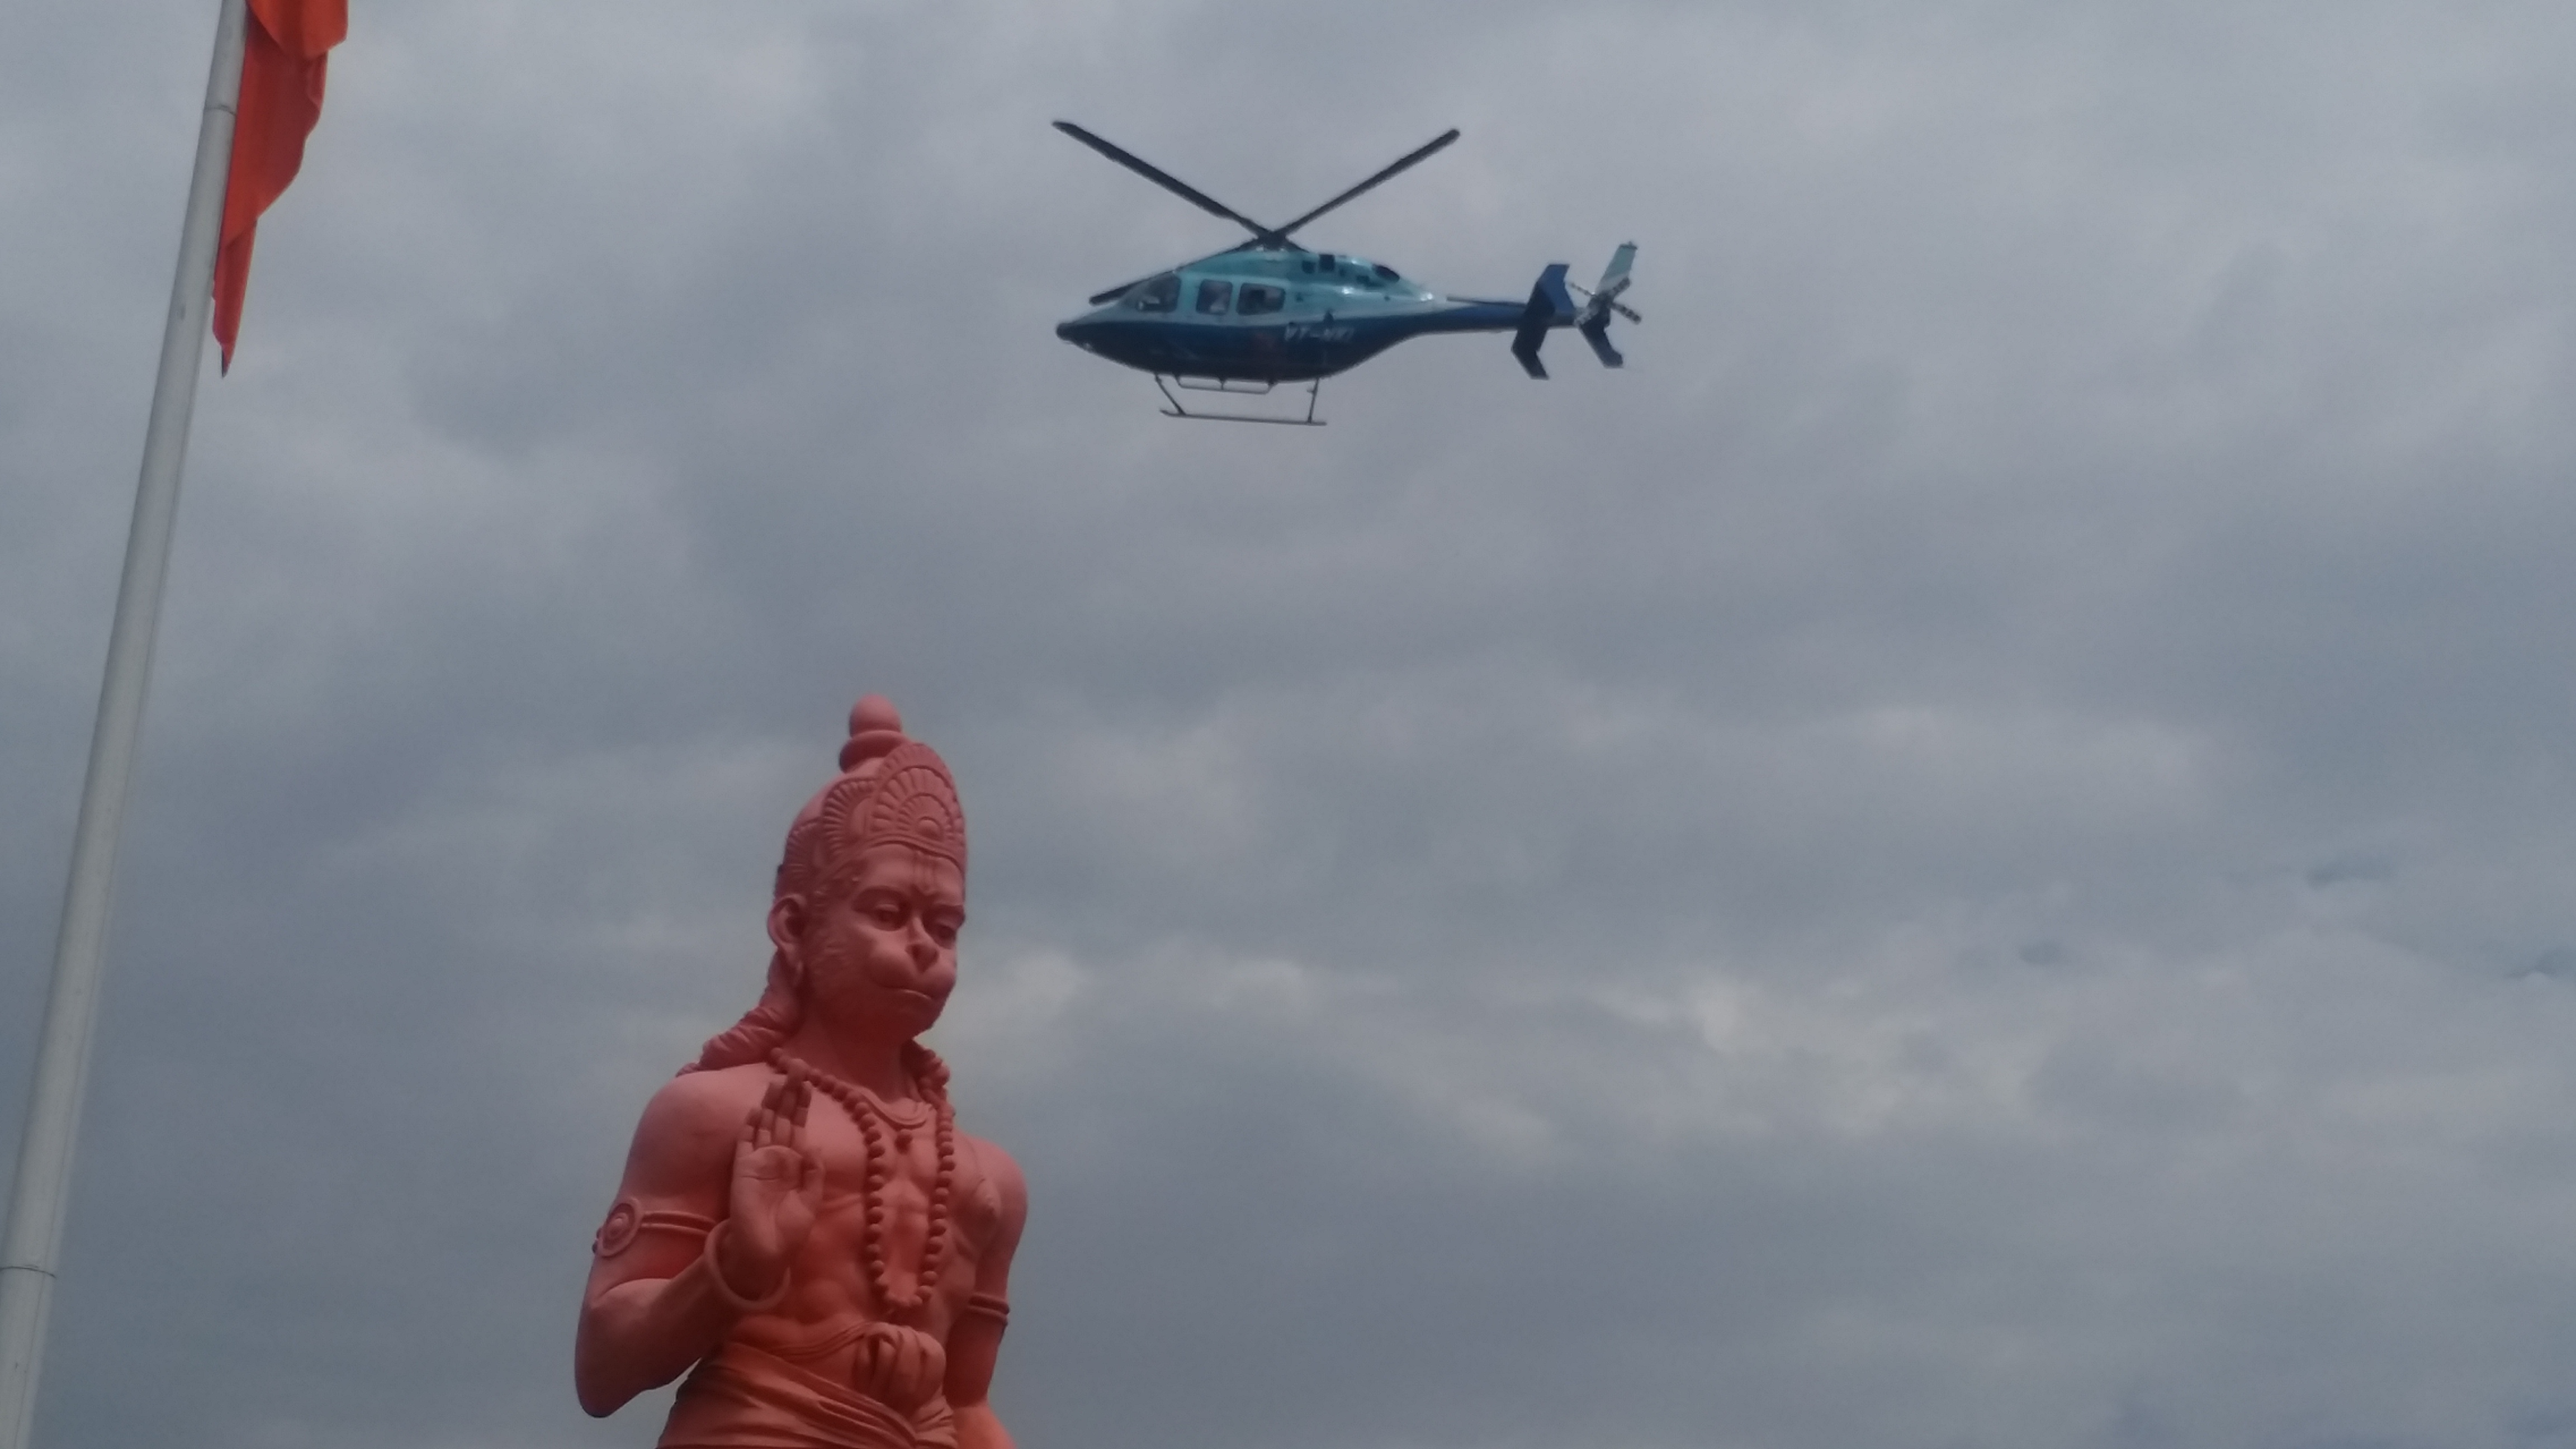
x,y
1156,294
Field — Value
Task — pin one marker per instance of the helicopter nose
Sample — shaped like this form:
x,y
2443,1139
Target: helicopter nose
x,y
1079,332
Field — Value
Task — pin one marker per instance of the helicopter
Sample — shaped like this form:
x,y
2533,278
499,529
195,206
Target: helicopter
x,y
1268,311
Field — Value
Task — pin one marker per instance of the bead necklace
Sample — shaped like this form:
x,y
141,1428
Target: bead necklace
x,y
872,1118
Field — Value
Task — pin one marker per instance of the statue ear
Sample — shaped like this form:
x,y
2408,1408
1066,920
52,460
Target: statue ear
x,y
787,925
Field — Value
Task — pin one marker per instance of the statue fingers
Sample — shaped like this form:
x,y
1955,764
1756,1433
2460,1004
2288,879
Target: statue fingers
x,y
933,1367
788,1125
784,1128
762,1111
903,1366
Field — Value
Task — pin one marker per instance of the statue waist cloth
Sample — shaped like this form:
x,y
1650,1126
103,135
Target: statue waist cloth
x,y
743,1397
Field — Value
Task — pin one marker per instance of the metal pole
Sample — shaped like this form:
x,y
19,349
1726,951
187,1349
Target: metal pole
x,y
43,1185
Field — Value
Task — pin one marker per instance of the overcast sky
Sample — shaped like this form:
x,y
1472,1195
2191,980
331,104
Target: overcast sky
x,y
1973,853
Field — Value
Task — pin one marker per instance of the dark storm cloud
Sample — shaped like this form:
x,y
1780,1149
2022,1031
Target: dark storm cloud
x,y
1969,852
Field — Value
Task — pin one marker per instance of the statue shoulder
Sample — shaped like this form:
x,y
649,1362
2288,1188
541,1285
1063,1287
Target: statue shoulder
x,y
1002,1175
689,1129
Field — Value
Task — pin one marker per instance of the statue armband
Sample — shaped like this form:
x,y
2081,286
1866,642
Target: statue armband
x,y
990,1305
626,1223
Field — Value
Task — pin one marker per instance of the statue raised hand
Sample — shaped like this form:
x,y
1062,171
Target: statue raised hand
x,y
777,1186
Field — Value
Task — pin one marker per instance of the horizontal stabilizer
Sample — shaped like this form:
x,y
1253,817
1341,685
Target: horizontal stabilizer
x,y
1597,332
1525,347
1549,306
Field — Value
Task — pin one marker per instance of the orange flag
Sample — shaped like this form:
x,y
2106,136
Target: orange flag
x,y
285,50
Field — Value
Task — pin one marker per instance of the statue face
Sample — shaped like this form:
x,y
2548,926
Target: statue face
x,y
881,955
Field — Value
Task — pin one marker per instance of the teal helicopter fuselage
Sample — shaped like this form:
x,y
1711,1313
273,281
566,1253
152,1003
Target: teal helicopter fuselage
x,y
1270,311
1284,315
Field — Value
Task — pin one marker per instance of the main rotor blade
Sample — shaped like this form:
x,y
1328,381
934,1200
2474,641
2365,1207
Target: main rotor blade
x,y
1103,299
1167,181
1445,139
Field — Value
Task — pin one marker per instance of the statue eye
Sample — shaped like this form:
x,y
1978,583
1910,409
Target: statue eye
x,y
887,914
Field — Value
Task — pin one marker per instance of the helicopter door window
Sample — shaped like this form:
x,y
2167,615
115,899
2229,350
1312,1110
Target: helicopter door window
x,y
1258,298
1214,297
1161,294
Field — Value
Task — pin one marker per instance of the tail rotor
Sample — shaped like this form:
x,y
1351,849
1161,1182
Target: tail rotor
x,y
1599,302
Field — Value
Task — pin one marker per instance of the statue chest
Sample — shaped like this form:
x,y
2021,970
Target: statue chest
x,y
889,1204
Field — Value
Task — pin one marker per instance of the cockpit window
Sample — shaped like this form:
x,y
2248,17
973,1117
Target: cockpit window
x,y
1213,297
1258,298
1386,273
1157,294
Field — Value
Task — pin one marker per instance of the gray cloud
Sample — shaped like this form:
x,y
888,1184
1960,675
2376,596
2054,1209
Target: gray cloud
x,y
1970,852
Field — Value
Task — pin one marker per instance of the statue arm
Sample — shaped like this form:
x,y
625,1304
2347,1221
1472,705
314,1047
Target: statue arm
x,y
976,1340
655,1303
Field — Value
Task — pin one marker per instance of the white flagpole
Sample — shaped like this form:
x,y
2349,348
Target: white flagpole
x,y
43,1185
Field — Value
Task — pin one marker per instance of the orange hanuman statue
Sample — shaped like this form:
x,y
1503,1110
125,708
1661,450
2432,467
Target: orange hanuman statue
x,y
832,1275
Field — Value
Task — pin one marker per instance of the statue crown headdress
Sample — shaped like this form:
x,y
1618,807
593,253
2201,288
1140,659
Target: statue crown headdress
x,y
890,789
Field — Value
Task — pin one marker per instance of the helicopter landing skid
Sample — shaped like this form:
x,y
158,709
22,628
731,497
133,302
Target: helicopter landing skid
x,y
1241,386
